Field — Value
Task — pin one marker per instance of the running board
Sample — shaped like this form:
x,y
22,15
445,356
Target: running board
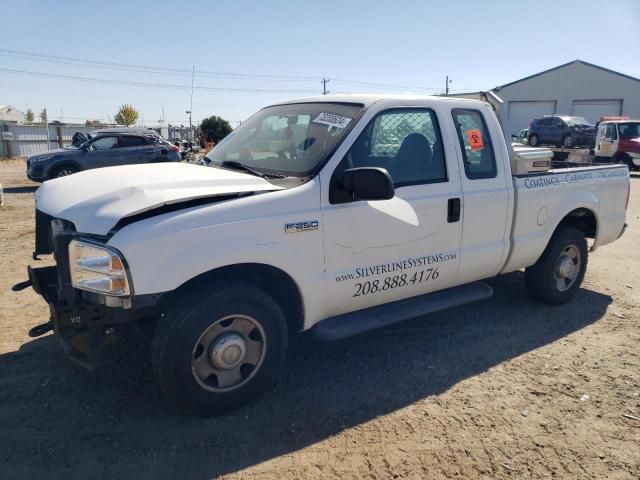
x,y
348,324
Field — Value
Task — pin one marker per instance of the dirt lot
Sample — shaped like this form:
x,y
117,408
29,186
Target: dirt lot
x,y
504,388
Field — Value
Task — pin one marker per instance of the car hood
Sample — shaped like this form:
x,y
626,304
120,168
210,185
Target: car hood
x,y
51,153
95,200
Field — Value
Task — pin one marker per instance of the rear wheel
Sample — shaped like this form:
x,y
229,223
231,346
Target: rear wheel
x,y
63,171
556,276
534,140
217,348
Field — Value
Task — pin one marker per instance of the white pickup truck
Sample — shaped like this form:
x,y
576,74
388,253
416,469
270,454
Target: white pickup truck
x,y
335,214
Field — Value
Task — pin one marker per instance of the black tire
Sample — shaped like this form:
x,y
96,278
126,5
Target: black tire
x,y
567,142
540,278
534,141
63,171
625,159
195,311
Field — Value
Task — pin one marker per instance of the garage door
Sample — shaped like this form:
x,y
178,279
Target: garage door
x,y
592,110
521,113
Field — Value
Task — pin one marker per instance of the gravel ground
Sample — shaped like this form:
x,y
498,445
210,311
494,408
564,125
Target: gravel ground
x,y
504,388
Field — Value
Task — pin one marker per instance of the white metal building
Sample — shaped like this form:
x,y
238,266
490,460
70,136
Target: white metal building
x,y
575,88
11,114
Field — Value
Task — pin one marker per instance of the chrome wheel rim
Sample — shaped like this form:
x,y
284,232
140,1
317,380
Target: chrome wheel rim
x,y
228,353
64,172
567,268
568,142
533,141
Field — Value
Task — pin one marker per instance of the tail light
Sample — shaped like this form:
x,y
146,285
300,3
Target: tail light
x,y
173,148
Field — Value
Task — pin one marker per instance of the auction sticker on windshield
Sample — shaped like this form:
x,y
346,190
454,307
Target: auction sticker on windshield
x,y
332,120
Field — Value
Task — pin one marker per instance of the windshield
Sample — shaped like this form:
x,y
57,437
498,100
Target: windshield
x,y
288,139
629,130
576,121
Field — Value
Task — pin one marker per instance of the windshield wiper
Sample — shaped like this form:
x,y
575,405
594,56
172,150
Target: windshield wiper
x,y
241,166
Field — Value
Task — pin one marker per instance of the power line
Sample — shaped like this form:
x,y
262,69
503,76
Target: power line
x,y
198,73
147,84
149,68
129,99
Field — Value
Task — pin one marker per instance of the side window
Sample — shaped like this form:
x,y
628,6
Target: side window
x,y
556,122
405,142
104,143
475,143
611,132
545,122
132,141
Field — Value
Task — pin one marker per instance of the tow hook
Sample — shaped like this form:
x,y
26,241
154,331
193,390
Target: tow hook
x,y
41,329
21,286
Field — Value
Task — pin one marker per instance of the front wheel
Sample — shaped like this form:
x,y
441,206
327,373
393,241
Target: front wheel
x,y
567,142
556,276
217,348
63,171
626,160
533,140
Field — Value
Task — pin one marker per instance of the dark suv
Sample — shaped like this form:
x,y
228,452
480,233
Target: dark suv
x,y
105,148
561,131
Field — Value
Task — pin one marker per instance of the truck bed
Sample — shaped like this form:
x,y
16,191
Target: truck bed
x,y
544,199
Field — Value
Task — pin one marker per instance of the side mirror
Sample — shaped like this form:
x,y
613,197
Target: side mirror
x,y
368,183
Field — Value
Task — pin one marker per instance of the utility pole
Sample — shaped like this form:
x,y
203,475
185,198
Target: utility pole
x,y
193,74
46,121
446,88
324,82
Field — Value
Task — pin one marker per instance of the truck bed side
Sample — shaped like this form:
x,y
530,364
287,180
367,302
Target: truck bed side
x,y
543,201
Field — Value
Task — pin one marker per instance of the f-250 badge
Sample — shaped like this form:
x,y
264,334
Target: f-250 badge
x,y
303,226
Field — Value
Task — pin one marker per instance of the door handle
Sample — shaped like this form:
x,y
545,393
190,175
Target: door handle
x,y
453,210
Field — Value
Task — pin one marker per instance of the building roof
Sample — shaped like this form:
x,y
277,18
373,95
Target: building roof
x,y
9,106
578,61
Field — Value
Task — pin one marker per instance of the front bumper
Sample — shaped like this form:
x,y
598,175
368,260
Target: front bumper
x,y
85,327
86,323
584,140
36,171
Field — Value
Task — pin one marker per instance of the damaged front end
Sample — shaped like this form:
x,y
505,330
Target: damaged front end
x,y
86,322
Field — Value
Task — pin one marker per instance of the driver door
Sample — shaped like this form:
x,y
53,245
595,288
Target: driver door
x,y
607,143
380,251
102,152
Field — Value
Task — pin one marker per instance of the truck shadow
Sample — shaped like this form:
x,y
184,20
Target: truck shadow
x,y
116,423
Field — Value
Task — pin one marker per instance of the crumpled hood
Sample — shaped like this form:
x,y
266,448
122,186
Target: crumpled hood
x,y
94,200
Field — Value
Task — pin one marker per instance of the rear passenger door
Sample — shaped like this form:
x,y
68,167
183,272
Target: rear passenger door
x,y
135,149
486,201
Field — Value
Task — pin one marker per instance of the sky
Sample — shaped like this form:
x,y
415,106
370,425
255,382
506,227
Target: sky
x,y
82,60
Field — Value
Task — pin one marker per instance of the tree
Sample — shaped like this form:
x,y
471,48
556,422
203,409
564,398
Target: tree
x,y
29,117
43,115
127,115
215,128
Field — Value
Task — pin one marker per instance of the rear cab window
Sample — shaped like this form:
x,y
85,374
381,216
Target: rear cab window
x,y
475,143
